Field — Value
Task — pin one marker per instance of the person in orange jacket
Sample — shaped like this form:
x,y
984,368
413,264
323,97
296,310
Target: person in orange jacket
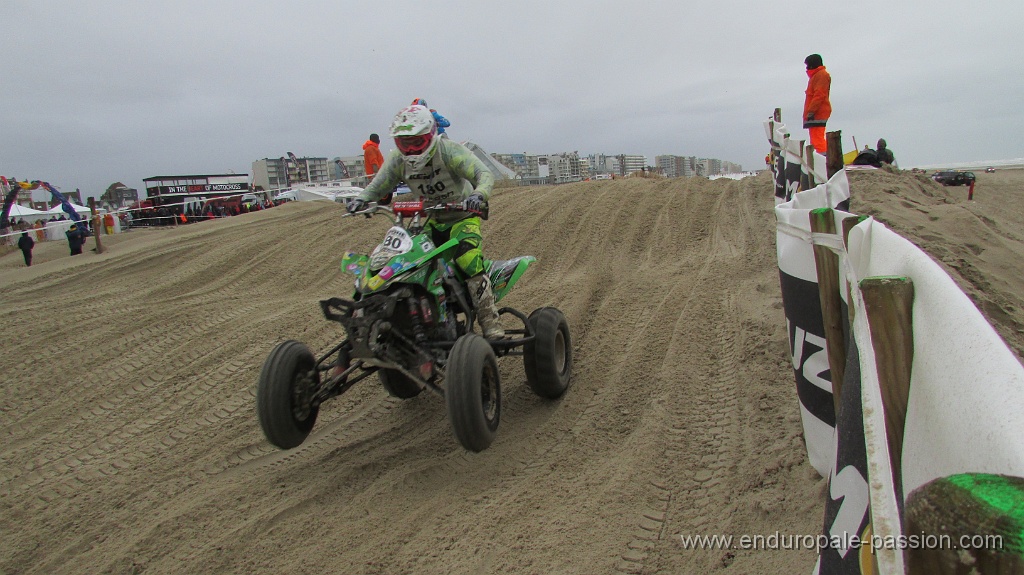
x,y
372,158
108,223
817,107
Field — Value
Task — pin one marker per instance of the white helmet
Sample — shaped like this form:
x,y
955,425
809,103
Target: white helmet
x,y
414,130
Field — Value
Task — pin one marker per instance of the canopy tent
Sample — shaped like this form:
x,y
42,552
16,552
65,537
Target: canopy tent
x,y
27,214
330,191
58,210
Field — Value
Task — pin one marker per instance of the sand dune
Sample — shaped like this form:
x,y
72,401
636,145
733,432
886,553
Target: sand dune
x,y
129,441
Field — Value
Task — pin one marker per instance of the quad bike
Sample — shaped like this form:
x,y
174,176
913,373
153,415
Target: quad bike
x,y
411,320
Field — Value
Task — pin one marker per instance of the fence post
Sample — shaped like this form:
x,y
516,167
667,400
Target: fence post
x,y
834,152
809,162
980,507
95,225
826,262
888,302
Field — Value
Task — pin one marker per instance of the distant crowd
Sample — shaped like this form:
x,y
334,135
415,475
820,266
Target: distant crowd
x,y
175,215
58,227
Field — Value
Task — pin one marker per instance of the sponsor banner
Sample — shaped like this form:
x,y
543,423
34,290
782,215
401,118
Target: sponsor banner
x,y
198,188
776,136
848,506
799,283
794,167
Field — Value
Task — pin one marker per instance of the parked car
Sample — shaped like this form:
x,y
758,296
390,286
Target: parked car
x,y
954,178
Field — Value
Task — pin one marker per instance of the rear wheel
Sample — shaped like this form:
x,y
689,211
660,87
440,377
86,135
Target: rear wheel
x,y
284,393
398,385
473,392
548,358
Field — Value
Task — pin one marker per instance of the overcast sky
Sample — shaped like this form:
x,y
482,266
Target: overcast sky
x,y
94,92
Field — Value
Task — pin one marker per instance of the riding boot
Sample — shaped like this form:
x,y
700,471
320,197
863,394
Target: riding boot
x,y
486,313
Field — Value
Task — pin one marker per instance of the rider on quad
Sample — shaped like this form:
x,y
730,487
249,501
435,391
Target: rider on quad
x,y
441,171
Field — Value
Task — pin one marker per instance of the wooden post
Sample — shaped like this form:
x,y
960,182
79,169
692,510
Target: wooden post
x,y
834,152
809,163
970,192
983,509
95,225
826,262
889,302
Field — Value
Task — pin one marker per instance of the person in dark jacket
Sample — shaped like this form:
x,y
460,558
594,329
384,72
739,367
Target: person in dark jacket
x,y
885,155
25,244
75,239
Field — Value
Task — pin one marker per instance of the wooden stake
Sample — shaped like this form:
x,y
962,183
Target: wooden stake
x,y
889,302
809,162
834,152
970,523
805,181
827,264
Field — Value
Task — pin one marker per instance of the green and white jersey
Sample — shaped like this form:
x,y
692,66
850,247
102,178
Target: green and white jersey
x,y
452,174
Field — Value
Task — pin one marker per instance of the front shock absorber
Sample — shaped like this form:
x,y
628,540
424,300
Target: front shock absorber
x,y
419,334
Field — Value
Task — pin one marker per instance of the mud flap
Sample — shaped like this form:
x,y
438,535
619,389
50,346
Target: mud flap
x,y
505,273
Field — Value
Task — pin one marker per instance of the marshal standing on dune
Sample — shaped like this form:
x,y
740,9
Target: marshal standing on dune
x,y
817,107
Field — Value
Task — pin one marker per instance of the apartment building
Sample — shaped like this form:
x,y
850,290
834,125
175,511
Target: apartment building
x,y
629,163
277,174
347,167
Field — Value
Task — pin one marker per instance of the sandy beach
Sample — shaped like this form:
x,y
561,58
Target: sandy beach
x,y
129,441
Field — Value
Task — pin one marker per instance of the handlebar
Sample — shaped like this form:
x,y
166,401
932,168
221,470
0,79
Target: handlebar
x,y
400,209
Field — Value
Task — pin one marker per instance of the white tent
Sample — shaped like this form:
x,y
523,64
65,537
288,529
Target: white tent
x,y
59,209
311,191
27,214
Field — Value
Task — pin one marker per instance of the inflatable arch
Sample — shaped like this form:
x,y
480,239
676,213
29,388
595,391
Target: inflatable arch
x,y
11,189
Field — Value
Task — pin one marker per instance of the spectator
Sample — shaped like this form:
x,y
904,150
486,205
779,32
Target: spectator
x,y
884,154
75,239
442,122
25,244
108,223
40,229
372,158
817,107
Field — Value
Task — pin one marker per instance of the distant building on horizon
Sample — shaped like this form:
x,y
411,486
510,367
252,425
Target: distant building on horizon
x,y
569,166
118,196
281,173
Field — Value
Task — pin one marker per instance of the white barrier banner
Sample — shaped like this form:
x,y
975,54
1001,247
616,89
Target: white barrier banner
x,y
799,282
967,388
835,449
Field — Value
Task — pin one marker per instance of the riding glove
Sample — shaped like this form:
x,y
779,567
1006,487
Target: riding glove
x,y
355,205
474,202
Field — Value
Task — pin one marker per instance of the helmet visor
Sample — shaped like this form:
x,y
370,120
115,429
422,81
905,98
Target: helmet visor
x,y
413,145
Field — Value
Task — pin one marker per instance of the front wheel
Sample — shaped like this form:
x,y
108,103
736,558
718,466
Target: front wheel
x,y
548,358
473,392
284,393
